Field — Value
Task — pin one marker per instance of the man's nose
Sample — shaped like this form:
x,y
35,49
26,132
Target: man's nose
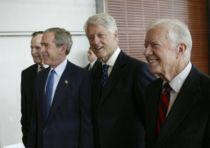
x,y
96,40
148,50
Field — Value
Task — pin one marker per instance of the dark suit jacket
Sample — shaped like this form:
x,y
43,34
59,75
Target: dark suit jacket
x,y
188,122
28,77
69,122
117,109
93,67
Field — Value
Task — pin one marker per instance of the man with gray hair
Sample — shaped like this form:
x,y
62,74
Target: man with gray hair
x,y
177,104
62,117
118,86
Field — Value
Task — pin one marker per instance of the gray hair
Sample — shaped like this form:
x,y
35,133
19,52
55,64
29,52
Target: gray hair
x,y
62,37
177,31
102,19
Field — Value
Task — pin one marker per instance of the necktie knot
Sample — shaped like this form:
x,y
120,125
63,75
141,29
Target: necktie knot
x,y
166,89
105,68
105,76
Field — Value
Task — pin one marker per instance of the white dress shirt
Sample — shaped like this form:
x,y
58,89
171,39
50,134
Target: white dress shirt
x,y
111,61
176,84
58,73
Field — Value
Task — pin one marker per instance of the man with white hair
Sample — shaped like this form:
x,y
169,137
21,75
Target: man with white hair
x,y
118,86
177,104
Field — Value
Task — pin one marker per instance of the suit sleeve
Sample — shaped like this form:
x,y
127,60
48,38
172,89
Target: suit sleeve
x,y
32,133
207,133
207,137
142,79
86,129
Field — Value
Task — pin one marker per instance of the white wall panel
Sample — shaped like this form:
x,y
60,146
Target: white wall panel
x,y
30,15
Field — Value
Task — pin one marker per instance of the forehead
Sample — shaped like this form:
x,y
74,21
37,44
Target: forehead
x,y
93,29
157,33
37,38
48,36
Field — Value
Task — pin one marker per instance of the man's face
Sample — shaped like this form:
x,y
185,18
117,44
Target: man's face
x,y
52,54
102,41
36,48
161,54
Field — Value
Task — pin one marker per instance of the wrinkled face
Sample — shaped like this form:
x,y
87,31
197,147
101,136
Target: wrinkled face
x,y
102,41
36,48
52,54
161,54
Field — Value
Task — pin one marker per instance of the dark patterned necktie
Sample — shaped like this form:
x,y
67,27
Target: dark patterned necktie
x,y
104,76
163,106
48,94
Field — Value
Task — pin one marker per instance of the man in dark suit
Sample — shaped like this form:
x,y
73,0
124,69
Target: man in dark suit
x,y
179,116
62,118
117,102
28,77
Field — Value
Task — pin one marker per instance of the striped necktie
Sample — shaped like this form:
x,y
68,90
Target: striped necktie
x,y
163,106
104,76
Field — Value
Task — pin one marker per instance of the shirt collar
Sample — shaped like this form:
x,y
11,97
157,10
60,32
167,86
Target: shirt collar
x,y
113,58
93,62
178,81
60,68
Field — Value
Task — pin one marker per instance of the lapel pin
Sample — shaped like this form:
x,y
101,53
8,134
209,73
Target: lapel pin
x,y
66,81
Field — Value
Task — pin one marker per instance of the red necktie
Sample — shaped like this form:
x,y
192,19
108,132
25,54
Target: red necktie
x,y
163,106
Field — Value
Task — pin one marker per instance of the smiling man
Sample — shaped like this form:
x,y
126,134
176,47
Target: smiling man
x,y
177,104
118,86
28,77
62,117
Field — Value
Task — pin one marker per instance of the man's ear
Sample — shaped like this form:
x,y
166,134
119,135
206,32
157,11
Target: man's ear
x,y
116,35
182,47
64,48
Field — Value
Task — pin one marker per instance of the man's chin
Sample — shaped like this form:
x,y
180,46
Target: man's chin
x,y
100,56
37,61
154,69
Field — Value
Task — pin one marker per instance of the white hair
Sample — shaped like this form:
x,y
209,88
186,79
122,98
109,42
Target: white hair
x,y
102,19
178,32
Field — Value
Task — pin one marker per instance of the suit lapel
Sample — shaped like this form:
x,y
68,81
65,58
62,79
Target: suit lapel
x,y
31,77
42,77
184,102
34,71
64,82
152,105
116,74
96,85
